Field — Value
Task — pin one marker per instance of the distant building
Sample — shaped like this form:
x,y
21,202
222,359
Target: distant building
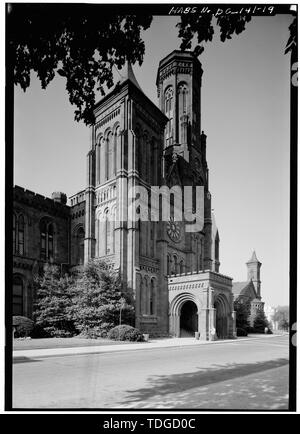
x,y
250,290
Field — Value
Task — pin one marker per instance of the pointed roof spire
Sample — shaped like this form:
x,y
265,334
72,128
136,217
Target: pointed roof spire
x,y
253,258
127,73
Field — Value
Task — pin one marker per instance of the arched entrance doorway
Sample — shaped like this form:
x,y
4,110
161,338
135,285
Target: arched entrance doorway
x,y
222,317
188,319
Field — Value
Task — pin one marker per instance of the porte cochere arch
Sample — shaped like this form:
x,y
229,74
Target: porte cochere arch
x,y
201,302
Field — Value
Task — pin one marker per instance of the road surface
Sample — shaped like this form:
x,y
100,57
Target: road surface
x,y
246,374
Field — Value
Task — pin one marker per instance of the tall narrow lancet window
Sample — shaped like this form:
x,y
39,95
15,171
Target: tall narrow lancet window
x,y
182,107
175,269
169,114
14,233
17,295
108,233
110,155
50,242
152,297
116,150
79,246
21,235
168,265
145,309
43,229
181,267
182,99
47,240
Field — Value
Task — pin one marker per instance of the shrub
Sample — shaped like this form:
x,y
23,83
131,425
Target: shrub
x,y
94,332
38,332
23,326
125,333
241,332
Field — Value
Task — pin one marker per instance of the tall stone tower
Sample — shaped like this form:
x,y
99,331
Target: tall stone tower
x,y
125,153
179,92
253,266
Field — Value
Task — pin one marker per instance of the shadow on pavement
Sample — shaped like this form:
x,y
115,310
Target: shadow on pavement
x,y
24,360
180,383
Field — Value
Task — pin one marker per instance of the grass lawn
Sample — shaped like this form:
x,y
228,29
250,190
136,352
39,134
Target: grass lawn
x,y
34,344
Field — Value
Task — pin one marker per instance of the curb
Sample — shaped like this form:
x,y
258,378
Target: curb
x,y
19,355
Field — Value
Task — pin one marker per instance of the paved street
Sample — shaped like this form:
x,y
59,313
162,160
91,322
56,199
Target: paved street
x,y
231,375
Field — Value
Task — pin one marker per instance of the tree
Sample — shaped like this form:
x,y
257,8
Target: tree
x,y
76,42
83,46
53,298
98,297
281,316
260,322
242,314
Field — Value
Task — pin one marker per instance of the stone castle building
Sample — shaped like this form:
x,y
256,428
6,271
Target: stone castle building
x,y
174,274
249,291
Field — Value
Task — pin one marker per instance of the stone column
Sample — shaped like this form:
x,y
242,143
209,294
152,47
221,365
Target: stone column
x,y
232,325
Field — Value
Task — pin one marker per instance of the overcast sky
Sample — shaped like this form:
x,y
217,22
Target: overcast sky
x,y
245,114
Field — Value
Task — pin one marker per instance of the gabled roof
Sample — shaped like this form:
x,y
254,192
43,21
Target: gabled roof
x,y
244,288
238,287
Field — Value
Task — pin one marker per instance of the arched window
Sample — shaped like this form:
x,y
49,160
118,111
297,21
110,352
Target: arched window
x,y
50,241
142,295
79,246
182,98
18,234
145,310
169,114
43,229
108,233
116,146
152,297
17,295
181,267
14,233
175,269
168,265
47,240
110,155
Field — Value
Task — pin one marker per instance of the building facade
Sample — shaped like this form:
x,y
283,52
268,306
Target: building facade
x,y
250,290
140,155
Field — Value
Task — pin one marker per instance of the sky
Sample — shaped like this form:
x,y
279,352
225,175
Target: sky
x,y
245,115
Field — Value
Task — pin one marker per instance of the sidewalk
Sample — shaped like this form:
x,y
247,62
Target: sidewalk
x,y
20,355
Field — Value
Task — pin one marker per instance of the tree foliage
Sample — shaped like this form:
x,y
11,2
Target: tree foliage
x,y
52,300
78,43
260,322
84,42
242,314
281,316
201,27
98,295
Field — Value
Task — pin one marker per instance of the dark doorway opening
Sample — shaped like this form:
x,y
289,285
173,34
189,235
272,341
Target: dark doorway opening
x,y
221,320
188,319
